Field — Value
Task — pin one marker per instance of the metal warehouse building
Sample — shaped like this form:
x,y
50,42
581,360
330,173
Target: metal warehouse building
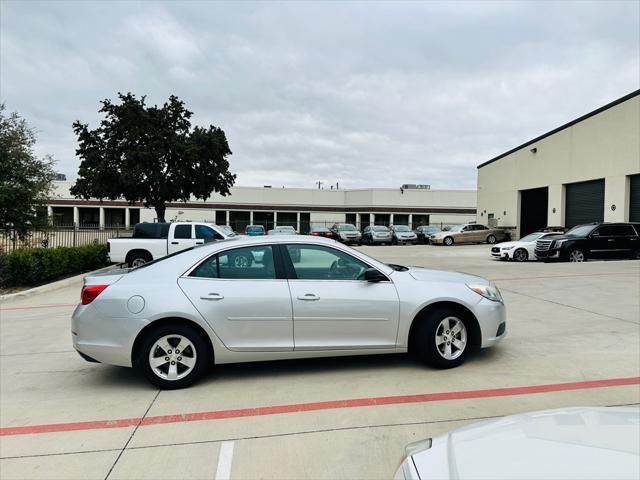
x,y
585,171
300,208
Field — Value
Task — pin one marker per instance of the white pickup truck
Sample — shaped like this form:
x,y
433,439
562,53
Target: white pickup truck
x,y
151,241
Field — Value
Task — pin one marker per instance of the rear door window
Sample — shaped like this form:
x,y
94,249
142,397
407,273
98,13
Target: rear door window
x,y
182,231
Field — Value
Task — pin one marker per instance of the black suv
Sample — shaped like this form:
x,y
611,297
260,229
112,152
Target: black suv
x,y
595,240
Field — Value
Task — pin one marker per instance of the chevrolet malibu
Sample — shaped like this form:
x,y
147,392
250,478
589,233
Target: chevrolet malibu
x,y
296,297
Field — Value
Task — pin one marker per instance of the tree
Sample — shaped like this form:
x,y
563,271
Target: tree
x,y
25,180
150,155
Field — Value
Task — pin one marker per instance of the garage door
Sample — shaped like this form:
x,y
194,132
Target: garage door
x,y
584,203
634,198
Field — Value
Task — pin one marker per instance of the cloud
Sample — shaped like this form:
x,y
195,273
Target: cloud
x,y
365,93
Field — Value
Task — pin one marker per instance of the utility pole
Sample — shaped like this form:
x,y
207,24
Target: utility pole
x,y
319,184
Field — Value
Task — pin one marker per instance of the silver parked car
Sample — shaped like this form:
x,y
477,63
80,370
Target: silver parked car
x,y
277,297
574,443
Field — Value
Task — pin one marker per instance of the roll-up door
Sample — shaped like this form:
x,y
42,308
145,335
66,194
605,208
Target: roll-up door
x,y
584,203
634,198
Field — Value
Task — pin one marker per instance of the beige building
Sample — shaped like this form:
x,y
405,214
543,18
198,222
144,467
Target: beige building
x,y
585,171
297,207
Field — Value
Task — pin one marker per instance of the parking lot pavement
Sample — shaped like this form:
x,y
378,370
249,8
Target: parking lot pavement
x,y
573,339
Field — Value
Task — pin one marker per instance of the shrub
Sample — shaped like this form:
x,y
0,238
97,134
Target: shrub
x,y
40,265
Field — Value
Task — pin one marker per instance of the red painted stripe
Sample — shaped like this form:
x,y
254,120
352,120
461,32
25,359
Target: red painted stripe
x,y
328,405
58,305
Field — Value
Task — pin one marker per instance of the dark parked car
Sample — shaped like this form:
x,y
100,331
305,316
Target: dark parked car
x,y
321,232
346,233
595,240
373,234
424,231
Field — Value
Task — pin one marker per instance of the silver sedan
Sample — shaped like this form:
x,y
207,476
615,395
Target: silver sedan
x,y
279,297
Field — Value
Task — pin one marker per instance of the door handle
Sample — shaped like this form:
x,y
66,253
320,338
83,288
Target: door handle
x,y
175,243
611,240
199,243
212,296
308,297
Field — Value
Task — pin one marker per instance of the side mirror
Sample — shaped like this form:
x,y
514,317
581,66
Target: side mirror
x,y
372,275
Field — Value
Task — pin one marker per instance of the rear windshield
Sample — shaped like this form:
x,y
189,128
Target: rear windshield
x,y
151,230
255,228
379,228
346,227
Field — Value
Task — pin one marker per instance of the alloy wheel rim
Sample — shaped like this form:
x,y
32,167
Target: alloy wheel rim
x,y
138,262
172,357
448,241
520,255
451,338
492,239
576,256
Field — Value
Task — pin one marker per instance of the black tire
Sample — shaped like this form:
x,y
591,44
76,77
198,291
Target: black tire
x,y
576,255
491,239
137,258
521,255
448,241
202,355
423,338
394,241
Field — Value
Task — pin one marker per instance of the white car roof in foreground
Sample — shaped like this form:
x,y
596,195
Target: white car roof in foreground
x,y
572,443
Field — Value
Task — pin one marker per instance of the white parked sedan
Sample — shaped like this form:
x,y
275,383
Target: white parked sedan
x,y
575,443
520,250
277,297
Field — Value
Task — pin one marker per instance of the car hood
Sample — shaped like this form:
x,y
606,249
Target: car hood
x,y
510,244
571,443
427,275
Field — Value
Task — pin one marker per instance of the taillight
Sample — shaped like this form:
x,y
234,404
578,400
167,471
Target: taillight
x,y
90,292
315,233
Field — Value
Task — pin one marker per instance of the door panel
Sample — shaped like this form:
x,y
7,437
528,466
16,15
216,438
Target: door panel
x,y
238,294
333,308
181,238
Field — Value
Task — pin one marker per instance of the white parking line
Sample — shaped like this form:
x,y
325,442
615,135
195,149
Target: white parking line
x,y
225,458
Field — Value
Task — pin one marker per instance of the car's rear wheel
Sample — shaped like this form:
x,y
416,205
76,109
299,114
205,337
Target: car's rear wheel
x,y
441,339
577,255
448,241
636,255
138,258
521,255
491,239
173,356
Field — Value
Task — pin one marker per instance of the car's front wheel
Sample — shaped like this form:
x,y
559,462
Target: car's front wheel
x,y
577,255
441,339
173,356
448,241
521,255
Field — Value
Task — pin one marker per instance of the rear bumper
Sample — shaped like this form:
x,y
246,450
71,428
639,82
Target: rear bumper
x,y
381,240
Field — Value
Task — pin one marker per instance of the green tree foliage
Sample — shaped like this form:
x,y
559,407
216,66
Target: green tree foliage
x,y
150,155
25,180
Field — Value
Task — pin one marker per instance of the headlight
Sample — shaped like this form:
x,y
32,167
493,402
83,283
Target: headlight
x,y
557,243
489,292
508,248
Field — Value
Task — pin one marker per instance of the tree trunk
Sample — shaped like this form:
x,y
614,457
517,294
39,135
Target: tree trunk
x,y
160,209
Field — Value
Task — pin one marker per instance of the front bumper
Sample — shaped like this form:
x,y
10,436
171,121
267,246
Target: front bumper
x,y
492,319
551,254
497,252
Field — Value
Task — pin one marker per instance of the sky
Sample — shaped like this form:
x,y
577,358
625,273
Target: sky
x,y
367,94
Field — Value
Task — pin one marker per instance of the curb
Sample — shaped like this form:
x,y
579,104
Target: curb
x,y
65,282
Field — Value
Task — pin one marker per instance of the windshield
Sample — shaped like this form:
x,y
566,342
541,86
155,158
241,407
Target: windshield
x,y
580,230
379,228
347,227
531,237
401,228
456,228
